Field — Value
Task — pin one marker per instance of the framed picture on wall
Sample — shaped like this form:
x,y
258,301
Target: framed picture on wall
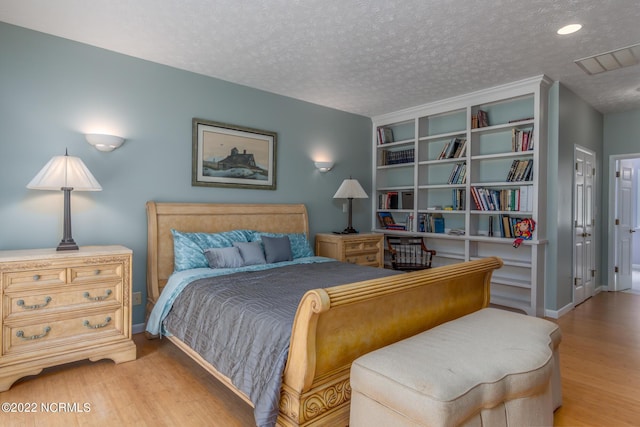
x,y
227,155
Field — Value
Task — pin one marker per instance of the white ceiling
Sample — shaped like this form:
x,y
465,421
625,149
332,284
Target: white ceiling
x,y
366,57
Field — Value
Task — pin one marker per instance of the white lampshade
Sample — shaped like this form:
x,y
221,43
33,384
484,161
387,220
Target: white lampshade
x,y
65,172
350,189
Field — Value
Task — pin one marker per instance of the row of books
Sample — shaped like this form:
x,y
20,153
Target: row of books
x,y
521,140
385,135
508,225
508,199
458,199
458,174
393,200
454,149
395,157
388,200
521,170
431,223
480,119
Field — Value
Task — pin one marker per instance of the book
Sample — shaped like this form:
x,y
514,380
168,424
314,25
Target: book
x,y
386,219
483,119
407,199
438,224
385,135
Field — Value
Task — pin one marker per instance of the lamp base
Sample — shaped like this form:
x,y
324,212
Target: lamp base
x,y
67,246
349,230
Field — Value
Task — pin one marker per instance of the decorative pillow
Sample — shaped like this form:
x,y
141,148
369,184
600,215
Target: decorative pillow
x,y
300,246
188,248
224,257
251,252
277,249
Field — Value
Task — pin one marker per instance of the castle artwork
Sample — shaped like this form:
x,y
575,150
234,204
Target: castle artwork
x,y
233,156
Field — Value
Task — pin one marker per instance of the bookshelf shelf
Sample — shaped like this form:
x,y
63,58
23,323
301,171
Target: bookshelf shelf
x,y
454,155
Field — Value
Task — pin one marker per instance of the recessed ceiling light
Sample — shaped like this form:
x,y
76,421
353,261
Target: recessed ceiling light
x,y
568,29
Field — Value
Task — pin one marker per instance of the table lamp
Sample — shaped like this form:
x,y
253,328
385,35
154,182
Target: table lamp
x,y
65,173
350,189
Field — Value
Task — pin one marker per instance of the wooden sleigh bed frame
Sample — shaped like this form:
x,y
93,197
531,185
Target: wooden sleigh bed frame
x,y
332,326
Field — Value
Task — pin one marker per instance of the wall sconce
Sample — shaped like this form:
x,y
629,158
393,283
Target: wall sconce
x,y
323,166
103,142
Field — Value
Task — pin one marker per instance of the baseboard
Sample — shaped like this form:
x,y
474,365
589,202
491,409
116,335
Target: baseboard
x,y
138,328
556,314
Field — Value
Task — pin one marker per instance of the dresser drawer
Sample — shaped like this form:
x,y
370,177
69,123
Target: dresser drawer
x,y
95,273
364,259
356,247
24,303
23,337
35,279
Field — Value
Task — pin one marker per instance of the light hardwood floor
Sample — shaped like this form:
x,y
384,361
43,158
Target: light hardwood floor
x,y
600,358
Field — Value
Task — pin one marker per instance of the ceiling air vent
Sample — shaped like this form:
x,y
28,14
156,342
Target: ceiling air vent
x,y
610,61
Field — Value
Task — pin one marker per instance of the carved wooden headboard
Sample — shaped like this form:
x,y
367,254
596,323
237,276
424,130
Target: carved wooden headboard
x,y
209,218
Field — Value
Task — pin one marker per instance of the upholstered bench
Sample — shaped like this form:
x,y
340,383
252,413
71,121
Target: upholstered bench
x,y
489,368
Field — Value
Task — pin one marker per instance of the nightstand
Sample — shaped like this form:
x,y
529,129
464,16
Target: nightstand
x,y
357,248
63,306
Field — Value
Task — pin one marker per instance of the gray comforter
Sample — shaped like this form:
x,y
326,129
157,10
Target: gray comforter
x,y
241,323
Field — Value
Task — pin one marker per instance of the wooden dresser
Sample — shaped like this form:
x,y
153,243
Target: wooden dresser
x,y
63,306
358,248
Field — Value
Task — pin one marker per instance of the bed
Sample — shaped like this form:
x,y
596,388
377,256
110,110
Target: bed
x,y
331,326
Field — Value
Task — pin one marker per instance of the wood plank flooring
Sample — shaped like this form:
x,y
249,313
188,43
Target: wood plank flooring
x,y
600,362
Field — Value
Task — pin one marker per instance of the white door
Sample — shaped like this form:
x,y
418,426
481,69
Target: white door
x,y
584,268
624,225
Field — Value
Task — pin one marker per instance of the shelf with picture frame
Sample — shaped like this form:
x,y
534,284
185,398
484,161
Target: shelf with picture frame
x,y
452,155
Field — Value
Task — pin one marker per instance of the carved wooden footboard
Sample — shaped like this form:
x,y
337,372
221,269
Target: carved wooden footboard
x,y
333,326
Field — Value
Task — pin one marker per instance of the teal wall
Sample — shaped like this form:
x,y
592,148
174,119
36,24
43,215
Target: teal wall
x,y
621,136
571,122
53,91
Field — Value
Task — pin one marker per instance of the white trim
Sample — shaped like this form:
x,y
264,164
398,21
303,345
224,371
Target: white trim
x,y
496,93
138,328
556,314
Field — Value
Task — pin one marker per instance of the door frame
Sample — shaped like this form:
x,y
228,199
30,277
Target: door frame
x,y
611,250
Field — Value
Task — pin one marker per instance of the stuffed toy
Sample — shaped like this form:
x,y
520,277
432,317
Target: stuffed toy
x,y
523,231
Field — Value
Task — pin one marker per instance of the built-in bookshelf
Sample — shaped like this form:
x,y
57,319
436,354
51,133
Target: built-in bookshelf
x,y
462,172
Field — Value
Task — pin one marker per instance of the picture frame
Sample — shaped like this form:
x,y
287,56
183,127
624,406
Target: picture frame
x,y
226,155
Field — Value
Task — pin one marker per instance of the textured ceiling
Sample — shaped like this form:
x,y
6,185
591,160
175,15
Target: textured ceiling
x,y
366,57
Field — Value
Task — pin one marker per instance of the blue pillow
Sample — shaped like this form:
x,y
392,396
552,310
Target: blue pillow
x,y
251,252
188,248
277,249
300,247
224,257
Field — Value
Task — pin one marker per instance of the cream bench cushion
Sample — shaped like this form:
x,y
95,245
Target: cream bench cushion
x,y
491,367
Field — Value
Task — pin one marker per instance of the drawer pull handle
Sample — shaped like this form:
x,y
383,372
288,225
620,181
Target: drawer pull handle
x,y
46,302
107,320
20,334
96,272
36,277
88,296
